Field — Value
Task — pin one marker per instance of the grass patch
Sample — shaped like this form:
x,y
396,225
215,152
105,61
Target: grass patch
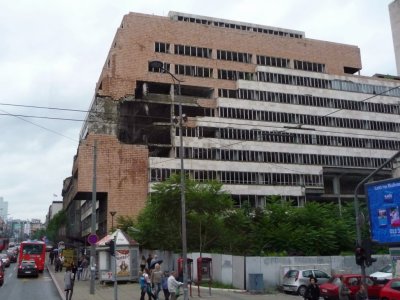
x,y
218,285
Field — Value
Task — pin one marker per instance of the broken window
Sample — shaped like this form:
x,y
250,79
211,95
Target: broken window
x,y
193,51
195,71
234,56
161,47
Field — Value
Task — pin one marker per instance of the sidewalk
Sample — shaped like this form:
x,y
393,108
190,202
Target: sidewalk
x,y
131,291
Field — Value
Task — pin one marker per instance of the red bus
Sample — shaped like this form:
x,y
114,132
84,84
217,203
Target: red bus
x,y
33,250
3,244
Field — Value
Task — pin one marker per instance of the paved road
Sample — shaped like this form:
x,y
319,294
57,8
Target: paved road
x,y
27,288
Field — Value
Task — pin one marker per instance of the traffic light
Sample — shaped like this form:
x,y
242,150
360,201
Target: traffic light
x,y
367,246
360,256
111,245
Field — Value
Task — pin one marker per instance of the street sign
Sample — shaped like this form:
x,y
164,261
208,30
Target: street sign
x,y
92,239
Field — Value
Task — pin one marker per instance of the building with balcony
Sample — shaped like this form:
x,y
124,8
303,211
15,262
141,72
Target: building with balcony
x,y
269,112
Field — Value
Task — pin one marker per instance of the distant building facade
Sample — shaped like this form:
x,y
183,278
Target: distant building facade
x,y
3,209
394,12
54,208
269,112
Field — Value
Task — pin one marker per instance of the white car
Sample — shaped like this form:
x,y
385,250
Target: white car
x,y
385,273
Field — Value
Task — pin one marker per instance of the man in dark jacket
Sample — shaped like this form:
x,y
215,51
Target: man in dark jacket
x,y
312,291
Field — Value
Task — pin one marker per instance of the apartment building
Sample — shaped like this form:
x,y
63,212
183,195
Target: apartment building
x,y
265,110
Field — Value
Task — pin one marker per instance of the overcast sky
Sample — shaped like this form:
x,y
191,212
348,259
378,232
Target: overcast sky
x,y
52,52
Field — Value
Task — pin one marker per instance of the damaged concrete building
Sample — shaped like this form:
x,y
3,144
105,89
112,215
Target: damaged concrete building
x,y
269,112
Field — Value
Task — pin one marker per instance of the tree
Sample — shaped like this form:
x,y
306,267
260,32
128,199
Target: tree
x,y
59,220
160,221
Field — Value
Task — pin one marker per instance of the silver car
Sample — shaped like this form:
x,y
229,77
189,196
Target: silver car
x,y
385,273
296,281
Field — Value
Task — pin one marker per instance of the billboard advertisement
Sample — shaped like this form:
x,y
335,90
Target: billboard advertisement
x,y
384,210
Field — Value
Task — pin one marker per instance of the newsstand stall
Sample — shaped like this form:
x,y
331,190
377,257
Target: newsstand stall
x,y
127,258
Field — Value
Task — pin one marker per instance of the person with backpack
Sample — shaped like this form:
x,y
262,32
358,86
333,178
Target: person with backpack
x,y
143,285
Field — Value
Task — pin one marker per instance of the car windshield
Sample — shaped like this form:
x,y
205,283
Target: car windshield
x,y
334,280
292,274
28,263
386,269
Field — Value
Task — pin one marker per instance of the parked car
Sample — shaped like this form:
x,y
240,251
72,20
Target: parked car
x,y
330,289
385,273
296,281
28,268
12,255
5,259
391,290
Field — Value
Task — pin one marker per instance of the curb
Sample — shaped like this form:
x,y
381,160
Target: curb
x,y
59,289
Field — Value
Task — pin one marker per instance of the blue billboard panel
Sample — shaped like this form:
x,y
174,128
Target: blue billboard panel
x,y
384,210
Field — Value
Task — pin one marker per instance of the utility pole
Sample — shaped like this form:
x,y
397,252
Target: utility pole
x,y
93,227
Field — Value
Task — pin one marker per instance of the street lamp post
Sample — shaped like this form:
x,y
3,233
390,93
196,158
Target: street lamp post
x,y
159,65
112,213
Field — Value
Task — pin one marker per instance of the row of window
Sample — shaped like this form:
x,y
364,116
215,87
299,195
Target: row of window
x,y
195,71
249,178
293,80
273,61
281,117
242,57
292,138
234,56
281,157
234,75
309,66
335,84
192,51
239,27
309,100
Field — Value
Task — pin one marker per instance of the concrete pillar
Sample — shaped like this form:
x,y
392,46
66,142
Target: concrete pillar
x,y
396,168
336,191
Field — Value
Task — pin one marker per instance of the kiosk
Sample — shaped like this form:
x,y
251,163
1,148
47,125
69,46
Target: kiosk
x,y
204,272
189,265
126,258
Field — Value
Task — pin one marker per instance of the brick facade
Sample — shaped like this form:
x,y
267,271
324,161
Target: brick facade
x,y
133,47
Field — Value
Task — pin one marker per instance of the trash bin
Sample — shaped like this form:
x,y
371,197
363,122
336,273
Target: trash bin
x,y
256,283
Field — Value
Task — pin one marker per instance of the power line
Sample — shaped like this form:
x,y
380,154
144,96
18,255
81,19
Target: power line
x,y
335,111
38,125
44,107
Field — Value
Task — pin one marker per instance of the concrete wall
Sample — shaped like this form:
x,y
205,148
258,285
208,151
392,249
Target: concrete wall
x,y
235,270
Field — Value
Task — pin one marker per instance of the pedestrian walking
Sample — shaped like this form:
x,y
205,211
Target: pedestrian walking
x,y
143,285
68,283
57,263
147,279
62,260
143,263
344,291
79,270
312,291
362,293
155,277
149,258
85,268
164,284
52,255
173,285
